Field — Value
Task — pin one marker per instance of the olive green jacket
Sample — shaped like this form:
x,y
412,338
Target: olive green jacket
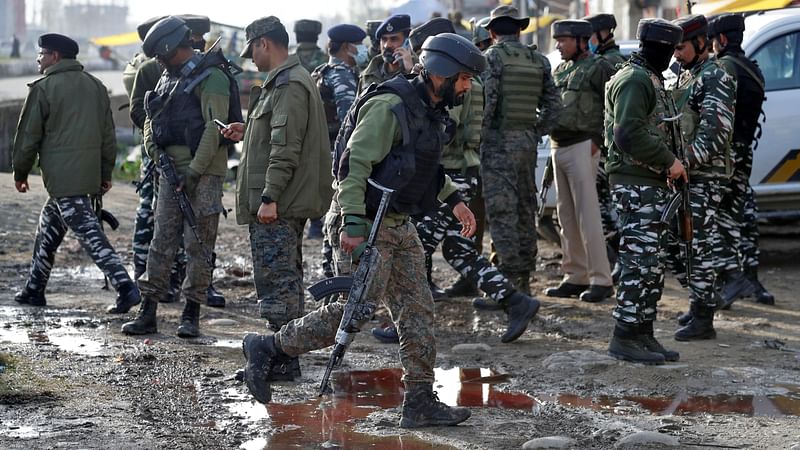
x,y
147,74
66,122
286,153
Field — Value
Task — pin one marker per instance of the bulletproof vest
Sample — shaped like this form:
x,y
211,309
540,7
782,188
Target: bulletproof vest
x,y
690,120
175,111
583,110
129,73
328,99
520,88
476,117
749,97
412,168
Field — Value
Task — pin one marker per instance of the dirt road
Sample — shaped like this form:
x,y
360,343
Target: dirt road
x,y
72,380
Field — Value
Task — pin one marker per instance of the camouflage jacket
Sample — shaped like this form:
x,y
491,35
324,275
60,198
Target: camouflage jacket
x,y
310,55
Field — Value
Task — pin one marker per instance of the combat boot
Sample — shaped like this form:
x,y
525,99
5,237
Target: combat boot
x,y
461,288
285,371
759,292
145,321
521,281
686,317
700,327
520,309
190,320
626,345
128,296
262,354
214,298
486,304
387,335
734,286
422,408
647,337
28,296
436,292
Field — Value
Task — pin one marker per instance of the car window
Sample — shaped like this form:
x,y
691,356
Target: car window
x,y
778,60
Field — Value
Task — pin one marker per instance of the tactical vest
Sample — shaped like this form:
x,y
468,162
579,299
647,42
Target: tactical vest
x,y
328,99
412,166
520,88
175,111
690,120
749,97
583,111
476,100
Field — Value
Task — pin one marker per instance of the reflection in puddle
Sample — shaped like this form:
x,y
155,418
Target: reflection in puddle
x,y
227,343
19,432
58,328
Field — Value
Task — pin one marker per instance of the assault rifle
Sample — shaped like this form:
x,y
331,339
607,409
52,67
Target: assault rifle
x,y
148,172
169,172
547,181
103,215
680,202
358,308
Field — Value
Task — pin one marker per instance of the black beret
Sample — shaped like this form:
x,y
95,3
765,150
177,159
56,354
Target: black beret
x,y
726,23
601,21
394,24
693,26
145,26
346,33
198,24
59,43
437,25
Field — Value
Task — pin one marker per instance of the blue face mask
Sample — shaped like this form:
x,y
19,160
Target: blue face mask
x,y
361,56
593,47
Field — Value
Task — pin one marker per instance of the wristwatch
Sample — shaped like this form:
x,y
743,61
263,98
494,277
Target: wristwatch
x,y
266,199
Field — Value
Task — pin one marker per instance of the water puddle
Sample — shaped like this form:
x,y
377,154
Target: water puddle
x,y
19,432
63,329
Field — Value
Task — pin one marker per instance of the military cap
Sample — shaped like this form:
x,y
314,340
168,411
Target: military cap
x,y
660,31
59,43
601,21
692,26
198,24
346,33
394,24
572,28
507,12
308,26
726,23
258,28
435,26
479,32
145,26
372,27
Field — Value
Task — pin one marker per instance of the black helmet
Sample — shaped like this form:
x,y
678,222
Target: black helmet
x,y
165,36
692,26
660,31
601,21
437,25
726,23
572,28
447,54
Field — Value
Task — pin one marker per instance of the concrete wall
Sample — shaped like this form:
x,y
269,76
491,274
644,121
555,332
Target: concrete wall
x,y
9,115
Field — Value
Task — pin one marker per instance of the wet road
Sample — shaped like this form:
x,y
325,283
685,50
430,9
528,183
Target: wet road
x,y
16,87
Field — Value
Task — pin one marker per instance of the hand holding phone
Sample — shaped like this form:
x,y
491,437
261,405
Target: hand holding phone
x,y
221,124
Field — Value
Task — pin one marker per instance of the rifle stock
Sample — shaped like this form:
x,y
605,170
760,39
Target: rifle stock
x,y
547,181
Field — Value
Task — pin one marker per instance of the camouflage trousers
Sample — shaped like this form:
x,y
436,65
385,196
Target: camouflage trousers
x,y
337,262
508,162
401,285
738,226
608,215
144,223
171,230
72,213
460,252
641,251
705,197
278,269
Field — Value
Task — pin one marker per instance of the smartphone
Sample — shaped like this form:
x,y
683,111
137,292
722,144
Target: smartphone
x,y
220,124
406,45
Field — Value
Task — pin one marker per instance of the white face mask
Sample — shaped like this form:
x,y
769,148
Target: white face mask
x,y
362,53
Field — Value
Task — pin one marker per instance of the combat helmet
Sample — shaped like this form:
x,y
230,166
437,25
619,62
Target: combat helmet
x,y
165,36
447,54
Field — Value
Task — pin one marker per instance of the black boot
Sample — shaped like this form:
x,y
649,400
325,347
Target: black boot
x,y
567,290
625,345
521,281
285,371
759,292
387,335
647,337
486,304
595,293
128,296
700,327
436,291
685,318
461,288
145,321
190,320
262,354
28,296
735,286
422,408
520,309
214,298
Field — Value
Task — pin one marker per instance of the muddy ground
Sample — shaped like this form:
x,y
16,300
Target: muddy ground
x,y
72,380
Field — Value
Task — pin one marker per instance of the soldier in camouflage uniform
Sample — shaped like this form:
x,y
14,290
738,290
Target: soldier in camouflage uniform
x,y
602,44
337,81
66,123
180,113
737,220
306,33
374,43
395,55
284,175
641,157
704,96
449,62
522,104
